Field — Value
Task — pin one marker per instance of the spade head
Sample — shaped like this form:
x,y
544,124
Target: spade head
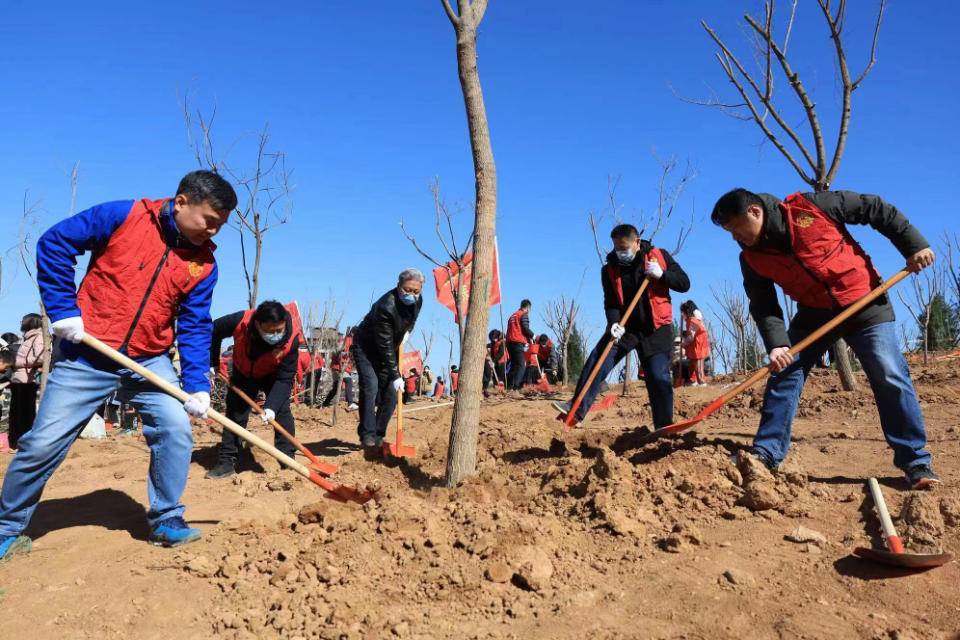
x,y
323,468
398,450
907,560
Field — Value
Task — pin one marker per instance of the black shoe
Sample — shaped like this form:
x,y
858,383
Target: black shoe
x,y
922,477
222,470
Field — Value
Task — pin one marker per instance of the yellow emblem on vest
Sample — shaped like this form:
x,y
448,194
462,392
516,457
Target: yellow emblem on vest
x,y
196,269
804,221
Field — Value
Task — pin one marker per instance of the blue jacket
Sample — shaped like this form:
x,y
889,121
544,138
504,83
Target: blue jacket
x,y
90,230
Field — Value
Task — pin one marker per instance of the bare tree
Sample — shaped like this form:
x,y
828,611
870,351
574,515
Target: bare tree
x,y
443,227
266,185
951,253
561,316
25,244
927,286
465,429
756,91
738,343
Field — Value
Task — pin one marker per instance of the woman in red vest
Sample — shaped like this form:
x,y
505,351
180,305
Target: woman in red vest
x,y
495,367
696,343
266,349
410,384
802,245
650,329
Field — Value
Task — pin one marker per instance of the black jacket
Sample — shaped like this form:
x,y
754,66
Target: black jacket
x,y
639,330
380,332
843,207
278,386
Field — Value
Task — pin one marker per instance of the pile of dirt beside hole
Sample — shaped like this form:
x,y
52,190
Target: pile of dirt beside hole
x,y
532,535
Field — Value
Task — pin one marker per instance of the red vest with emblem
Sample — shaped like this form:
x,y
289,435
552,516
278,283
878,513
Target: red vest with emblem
x,y
268,362
657,293
514,330
134,286
827,267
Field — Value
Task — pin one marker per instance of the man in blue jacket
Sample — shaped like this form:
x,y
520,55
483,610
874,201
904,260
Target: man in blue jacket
x,y
149,284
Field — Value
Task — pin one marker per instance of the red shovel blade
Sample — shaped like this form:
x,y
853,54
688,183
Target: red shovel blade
x,y
324,468
340,492
399,450
907,560
604,403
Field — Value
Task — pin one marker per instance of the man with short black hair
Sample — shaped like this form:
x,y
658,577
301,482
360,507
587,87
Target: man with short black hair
x,y
266,348
649,330
802,245
519,336
148,285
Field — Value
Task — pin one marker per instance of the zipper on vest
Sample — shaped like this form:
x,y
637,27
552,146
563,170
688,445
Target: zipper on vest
x,y
146,297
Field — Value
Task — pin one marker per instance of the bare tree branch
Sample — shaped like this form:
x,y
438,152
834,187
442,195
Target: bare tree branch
x,y
450,13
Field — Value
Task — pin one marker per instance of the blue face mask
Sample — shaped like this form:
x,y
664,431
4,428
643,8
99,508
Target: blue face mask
x,y
408,298
272,339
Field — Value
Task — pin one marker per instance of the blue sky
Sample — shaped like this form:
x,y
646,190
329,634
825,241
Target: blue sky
x,y
365,101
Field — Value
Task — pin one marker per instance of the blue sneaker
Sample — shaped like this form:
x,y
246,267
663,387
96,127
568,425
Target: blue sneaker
x,y
14,545
173,532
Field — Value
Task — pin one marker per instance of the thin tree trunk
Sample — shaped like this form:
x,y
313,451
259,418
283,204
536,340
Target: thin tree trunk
x,y
255,288
464,432
47,351
627,366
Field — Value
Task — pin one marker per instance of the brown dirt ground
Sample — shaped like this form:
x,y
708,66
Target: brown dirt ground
x,y
563,534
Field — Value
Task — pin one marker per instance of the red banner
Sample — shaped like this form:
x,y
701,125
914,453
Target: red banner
x,y
449,279
411,360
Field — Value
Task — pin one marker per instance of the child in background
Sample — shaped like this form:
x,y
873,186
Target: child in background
x,y
696,342
439,388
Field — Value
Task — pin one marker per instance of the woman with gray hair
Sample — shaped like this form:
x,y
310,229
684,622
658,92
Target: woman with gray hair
x,y
375,348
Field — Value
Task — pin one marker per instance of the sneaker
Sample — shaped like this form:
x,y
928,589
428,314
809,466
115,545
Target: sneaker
x,y
922,477
224,469
173,532
562,407
352,406
13,546
752,464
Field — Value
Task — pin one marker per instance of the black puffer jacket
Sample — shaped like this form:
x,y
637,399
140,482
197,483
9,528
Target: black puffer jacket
x,y
380,332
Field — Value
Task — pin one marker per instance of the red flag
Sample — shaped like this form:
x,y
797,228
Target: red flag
x,y
411,360
449,279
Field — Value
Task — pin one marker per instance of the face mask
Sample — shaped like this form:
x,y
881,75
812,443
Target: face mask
x,y
272,338
626,256
408,298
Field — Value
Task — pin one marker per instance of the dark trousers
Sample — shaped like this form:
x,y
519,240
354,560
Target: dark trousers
x,y
239,411
656,367
377,397
23,410
518,364
488,371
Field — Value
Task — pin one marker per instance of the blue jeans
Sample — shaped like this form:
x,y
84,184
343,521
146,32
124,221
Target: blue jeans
x,y
75,390
657,376
886,369
378,400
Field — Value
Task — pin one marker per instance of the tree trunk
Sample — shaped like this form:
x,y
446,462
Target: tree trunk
x,y
627,366
847,380
47,351
565,347
255,276
464,431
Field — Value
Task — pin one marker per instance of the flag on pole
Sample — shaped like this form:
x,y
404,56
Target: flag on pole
x,y
449,279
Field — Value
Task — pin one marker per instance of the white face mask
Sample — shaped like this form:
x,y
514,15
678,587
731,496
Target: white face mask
x,y
626,256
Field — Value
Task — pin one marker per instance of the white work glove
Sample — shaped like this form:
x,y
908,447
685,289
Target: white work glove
x,y
398,384
198,404
267,416
617,331
654,270
69,329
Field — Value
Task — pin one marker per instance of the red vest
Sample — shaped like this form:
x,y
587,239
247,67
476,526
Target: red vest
x,y
657,293
494,348
699,348
545,351
268,362
514,331
410,385
438,390
135,284
531,355
827,267
454,381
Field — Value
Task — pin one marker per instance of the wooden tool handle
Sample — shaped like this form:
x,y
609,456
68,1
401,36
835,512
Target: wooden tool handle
x,y
183,396
606,351
894,544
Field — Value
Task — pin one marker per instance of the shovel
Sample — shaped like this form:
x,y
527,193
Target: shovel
x,y
398,449
568,419
760,374
895,554
315,463
339,492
